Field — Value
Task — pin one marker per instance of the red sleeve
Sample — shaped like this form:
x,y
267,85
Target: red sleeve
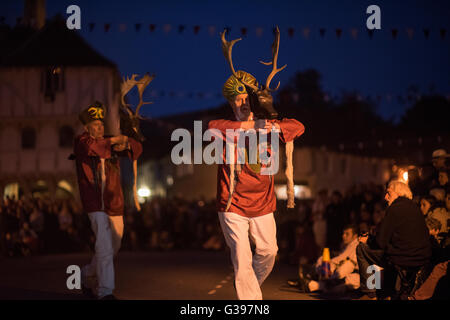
x,y
135,149
290,129
223,125
88,146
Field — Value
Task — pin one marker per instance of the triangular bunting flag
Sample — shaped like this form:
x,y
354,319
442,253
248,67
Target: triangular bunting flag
x,y
291,32
322,32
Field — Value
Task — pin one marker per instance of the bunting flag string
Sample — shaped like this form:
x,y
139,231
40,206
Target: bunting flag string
x,y
295,97
291,31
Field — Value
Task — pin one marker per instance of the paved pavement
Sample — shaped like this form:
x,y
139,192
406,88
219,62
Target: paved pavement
x,y
178,275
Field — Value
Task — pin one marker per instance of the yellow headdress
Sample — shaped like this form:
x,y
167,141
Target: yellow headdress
x,y
233,86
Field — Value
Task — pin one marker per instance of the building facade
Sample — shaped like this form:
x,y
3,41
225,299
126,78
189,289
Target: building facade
x,y
45,81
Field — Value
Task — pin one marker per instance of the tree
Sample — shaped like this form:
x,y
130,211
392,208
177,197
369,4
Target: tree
x,y
429,115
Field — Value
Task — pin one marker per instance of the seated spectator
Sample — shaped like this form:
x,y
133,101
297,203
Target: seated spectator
x,y
344,267
402,240
438,193
428,288
440,259
434,227
427,202
344,275
439,211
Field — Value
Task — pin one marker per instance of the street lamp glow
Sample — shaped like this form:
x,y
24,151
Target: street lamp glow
x,y
144,192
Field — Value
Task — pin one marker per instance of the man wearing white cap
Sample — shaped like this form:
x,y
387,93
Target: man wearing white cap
x,y
439,157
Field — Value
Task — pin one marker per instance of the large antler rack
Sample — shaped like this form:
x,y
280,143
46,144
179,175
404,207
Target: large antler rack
x,y
275,48
227,47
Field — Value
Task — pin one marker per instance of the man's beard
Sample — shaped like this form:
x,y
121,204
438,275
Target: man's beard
x,y
244,115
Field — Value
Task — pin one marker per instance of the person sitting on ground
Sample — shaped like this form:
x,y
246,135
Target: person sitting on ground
x,y
439,211
439,274
344,268
434,227
427,203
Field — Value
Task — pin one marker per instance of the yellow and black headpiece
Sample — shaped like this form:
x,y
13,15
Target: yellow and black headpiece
x,y
233,86
95,111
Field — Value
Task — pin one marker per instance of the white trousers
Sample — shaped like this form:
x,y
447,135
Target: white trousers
x,y
250,271
99,274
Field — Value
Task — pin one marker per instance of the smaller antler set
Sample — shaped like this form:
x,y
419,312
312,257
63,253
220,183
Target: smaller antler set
x,y
129,123
262,93
134,117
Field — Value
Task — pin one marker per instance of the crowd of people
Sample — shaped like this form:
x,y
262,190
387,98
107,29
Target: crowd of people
x,y
337,221
331,220
41,226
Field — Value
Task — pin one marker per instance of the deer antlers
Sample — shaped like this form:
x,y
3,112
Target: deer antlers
x,y
227,47
275,48
141,84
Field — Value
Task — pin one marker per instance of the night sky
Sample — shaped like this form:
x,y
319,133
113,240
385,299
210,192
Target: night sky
x,y
187,62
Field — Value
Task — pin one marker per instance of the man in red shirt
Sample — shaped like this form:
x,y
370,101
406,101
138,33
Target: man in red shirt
x,y
246,207
98,171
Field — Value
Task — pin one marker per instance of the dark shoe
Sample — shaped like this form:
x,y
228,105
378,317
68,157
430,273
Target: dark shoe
x,y
109,297
88,293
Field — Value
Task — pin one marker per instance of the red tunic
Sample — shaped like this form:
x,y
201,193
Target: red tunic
x,y
88,152
254,193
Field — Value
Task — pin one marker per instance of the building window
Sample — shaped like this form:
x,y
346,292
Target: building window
x,y
28,138
66,135
52,82
12,191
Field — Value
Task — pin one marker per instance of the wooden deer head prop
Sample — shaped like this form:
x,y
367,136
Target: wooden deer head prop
x,y
129,120
260,97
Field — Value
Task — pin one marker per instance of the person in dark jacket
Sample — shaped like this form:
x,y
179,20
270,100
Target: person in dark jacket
x,y
402,240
